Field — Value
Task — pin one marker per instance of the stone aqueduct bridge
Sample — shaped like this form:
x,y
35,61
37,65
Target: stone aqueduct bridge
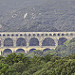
x,y
26,41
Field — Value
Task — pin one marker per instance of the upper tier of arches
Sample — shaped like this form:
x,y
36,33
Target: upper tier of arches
x,y
33,42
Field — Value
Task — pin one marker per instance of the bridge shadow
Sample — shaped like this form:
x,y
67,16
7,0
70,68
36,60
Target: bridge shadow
x,y
47,49
20,51
31,50
7,52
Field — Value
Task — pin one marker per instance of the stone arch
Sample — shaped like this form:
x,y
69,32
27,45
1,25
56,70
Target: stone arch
x,y
29,34
62,34
48,42
20,51
8,42
31,50
7,52
3,34
71,34
0,43
21,42
50,34
8,34
34,42
47,49
58,34
61,41
54,34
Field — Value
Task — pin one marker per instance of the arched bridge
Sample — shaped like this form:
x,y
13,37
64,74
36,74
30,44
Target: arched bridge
x,y
26,41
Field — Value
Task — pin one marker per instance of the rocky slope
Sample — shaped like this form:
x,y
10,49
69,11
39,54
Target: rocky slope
x,y
41,15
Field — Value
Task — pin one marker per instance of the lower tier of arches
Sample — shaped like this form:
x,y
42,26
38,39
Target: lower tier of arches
x,y
6,51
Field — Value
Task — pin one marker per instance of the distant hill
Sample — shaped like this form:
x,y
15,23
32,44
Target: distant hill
x,y
41,15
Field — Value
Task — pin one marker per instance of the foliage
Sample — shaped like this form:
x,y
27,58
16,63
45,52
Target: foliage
x,y
1,57
47,65
73,40
14,58
5,69
67,49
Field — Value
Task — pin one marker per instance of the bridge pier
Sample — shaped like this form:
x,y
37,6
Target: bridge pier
x,y
56,42
40,42
1,51
14,42
2,43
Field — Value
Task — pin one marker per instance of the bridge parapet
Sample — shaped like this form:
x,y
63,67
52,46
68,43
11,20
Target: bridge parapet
x,y
19,34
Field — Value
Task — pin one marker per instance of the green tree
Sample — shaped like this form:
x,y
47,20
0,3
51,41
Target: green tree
x,y
26,73
5,69
19,67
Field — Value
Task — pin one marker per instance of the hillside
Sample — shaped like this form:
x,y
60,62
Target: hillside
x,y
41,15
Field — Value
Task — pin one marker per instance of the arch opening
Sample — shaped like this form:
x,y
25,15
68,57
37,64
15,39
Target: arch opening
x,y
20,51
61,41
47,49
34,42
31,50
48,42
21,42
7,52
8,42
